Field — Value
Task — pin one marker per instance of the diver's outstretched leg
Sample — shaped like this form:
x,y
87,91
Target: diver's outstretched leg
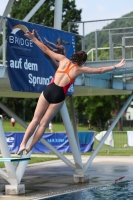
x,y
41,108
52,110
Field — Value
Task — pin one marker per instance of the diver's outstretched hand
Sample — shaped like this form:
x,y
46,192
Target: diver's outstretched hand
x,y
30,35
120,64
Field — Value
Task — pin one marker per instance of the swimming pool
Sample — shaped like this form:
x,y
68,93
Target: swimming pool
x,y
117,191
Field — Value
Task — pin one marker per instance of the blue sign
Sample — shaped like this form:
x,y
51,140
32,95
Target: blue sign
x,y
57,140
29,69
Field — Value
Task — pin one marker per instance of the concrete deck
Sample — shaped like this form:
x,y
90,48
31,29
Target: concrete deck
x,y
54,177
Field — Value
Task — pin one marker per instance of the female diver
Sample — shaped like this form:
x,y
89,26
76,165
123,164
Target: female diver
x,y
52,98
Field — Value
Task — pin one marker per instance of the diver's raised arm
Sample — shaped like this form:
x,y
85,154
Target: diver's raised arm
x,y
43,47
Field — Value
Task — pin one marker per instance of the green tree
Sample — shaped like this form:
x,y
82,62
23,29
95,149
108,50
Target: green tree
x,y
100,108
45,15
117,103
96,108
24,108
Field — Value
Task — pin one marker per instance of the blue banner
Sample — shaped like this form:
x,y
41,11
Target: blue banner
x,y
29,69
57,140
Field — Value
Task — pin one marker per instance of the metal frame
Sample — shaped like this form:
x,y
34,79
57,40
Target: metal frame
x,y
110,35
108,132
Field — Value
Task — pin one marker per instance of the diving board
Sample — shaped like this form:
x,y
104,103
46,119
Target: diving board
x,y
13,159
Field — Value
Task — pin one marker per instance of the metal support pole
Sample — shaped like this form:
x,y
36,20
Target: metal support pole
x,y
21,166
58,14
123,56
108,132
74,120
96,45
60,155
33,11
111,47
4,42
123,47
71,138
12,178
69,26
92,55
83,38
64,111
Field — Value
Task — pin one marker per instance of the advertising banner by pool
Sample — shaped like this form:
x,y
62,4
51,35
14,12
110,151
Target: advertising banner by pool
x,y
29,69
57,140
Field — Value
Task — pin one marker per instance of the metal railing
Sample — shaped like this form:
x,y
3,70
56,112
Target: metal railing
x,y
3,46
120,139
109,36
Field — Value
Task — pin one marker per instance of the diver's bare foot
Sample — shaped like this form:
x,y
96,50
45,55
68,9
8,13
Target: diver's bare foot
x,y
27,150
21,150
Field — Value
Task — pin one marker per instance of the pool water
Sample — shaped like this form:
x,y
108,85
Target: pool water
x,y
117,191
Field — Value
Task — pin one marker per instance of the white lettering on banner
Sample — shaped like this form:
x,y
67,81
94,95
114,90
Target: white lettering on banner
x,y
10,139
16,63
39,80
30,66
73,43
27,65
20,41
57,140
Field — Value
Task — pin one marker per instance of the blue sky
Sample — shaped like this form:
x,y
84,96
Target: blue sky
x,y
104,9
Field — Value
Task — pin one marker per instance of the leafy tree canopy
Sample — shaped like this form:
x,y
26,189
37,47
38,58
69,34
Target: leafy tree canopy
x,y
45,14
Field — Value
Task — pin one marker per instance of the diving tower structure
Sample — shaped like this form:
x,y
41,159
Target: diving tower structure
x,y
116,82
